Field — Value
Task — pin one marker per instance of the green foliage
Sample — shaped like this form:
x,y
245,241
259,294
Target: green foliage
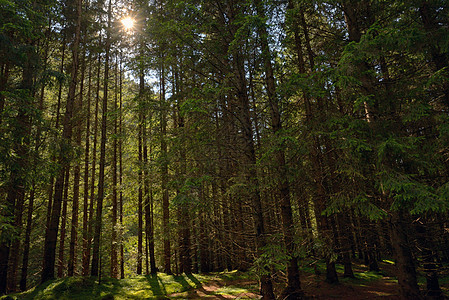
x,y
410,194
273,257
140,287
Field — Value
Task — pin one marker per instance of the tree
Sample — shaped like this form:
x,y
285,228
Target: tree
x,y
101,177
293,289
52,231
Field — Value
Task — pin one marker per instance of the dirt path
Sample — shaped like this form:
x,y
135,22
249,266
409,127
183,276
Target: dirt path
x,y
220,289
315,288
384,288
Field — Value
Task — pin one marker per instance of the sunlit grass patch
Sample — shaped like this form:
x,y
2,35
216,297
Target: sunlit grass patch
x,y
369,275
232,290
235,275
139,287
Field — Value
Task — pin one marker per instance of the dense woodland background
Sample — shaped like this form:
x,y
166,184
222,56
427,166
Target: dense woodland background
x,y
219,135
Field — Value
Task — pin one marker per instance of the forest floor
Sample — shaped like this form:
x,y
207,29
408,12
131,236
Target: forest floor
x,y
366,285
225,285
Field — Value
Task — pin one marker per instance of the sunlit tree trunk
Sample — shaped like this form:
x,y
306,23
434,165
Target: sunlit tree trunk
x,y
62,236
52,233
78,120
85,256
140,175
148,191
58,108
114,271
95,271
90,226
183,209
164,175
122,259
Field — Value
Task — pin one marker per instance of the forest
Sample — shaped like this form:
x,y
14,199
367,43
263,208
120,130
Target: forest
x,y
199,136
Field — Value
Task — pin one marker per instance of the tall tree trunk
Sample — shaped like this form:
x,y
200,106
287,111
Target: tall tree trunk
x,y
293,289
122,259
85,258
58,108
183,206
114,271
63,223
406,269
26,246
101,176
76,175
164,176
249,160
18,169
427,246
345,234
15,245
90,228
148,195
52,233
26,249
405,265
26,243
4,77
140,174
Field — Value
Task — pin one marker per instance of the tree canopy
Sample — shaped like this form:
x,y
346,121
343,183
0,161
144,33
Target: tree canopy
x,y
197,136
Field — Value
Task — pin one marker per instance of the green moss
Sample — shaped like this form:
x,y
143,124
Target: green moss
x,y
232,290
139,287
369,275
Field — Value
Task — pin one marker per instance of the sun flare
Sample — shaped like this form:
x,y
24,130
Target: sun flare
x,y
128,23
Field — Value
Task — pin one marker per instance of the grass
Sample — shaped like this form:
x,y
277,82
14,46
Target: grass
x,y
361,277
139,287
214,285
